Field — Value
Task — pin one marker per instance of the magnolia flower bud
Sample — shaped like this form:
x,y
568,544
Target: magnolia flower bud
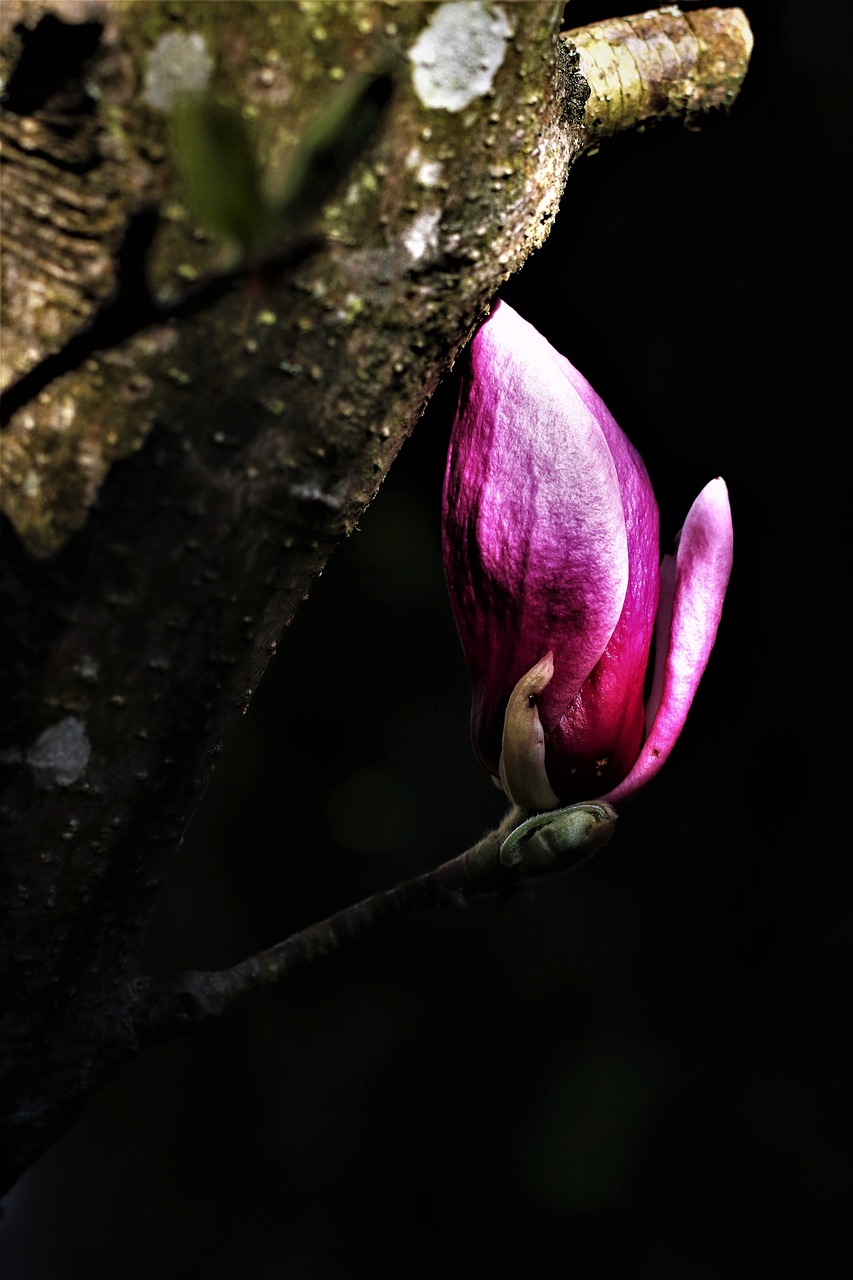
x,y
552,562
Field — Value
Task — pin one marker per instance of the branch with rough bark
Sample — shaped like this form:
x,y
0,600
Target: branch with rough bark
x,y
188,438
662,64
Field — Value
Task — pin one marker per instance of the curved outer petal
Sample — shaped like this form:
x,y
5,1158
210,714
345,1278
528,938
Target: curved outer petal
x,y
599,734
535,542
693,587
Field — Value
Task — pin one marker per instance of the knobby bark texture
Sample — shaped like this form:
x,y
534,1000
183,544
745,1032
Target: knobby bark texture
x,y
174,476
659,64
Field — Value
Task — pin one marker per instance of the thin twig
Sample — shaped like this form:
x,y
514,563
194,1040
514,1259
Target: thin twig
x,y
166,1009
163,1010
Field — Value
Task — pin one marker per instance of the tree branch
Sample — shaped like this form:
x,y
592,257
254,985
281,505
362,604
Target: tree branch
x,y
659,65
495,865
133,308
162,1010
168,501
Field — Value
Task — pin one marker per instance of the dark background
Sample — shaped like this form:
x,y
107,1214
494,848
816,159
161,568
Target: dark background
x,y
639,1071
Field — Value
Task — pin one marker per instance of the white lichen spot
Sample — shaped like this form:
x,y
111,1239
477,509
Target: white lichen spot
x,y
423,234
312,492
60,754
456,56
429,173
62,415
179,65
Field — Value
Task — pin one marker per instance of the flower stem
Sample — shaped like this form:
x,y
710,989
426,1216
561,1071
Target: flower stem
x,y
163,1010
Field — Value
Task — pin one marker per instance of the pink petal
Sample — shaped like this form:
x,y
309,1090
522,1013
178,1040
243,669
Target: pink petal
x,y
693,585
599,734
535,541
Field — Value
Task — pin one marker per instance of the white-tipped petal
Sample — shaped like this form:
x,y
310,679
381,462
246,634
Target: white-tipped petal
x,y
693,586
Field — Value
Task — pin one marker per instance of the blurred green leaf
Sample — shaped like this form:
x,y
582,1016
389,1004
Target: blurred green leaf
x,y
215,155
331,146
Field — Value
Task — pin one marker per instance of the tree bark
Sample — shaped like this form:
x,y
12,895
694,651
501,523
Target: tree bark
x,y
187,440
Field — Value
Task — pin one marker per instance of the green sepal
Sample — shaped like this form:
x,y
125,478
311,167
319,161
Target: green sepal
x,y
558,838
